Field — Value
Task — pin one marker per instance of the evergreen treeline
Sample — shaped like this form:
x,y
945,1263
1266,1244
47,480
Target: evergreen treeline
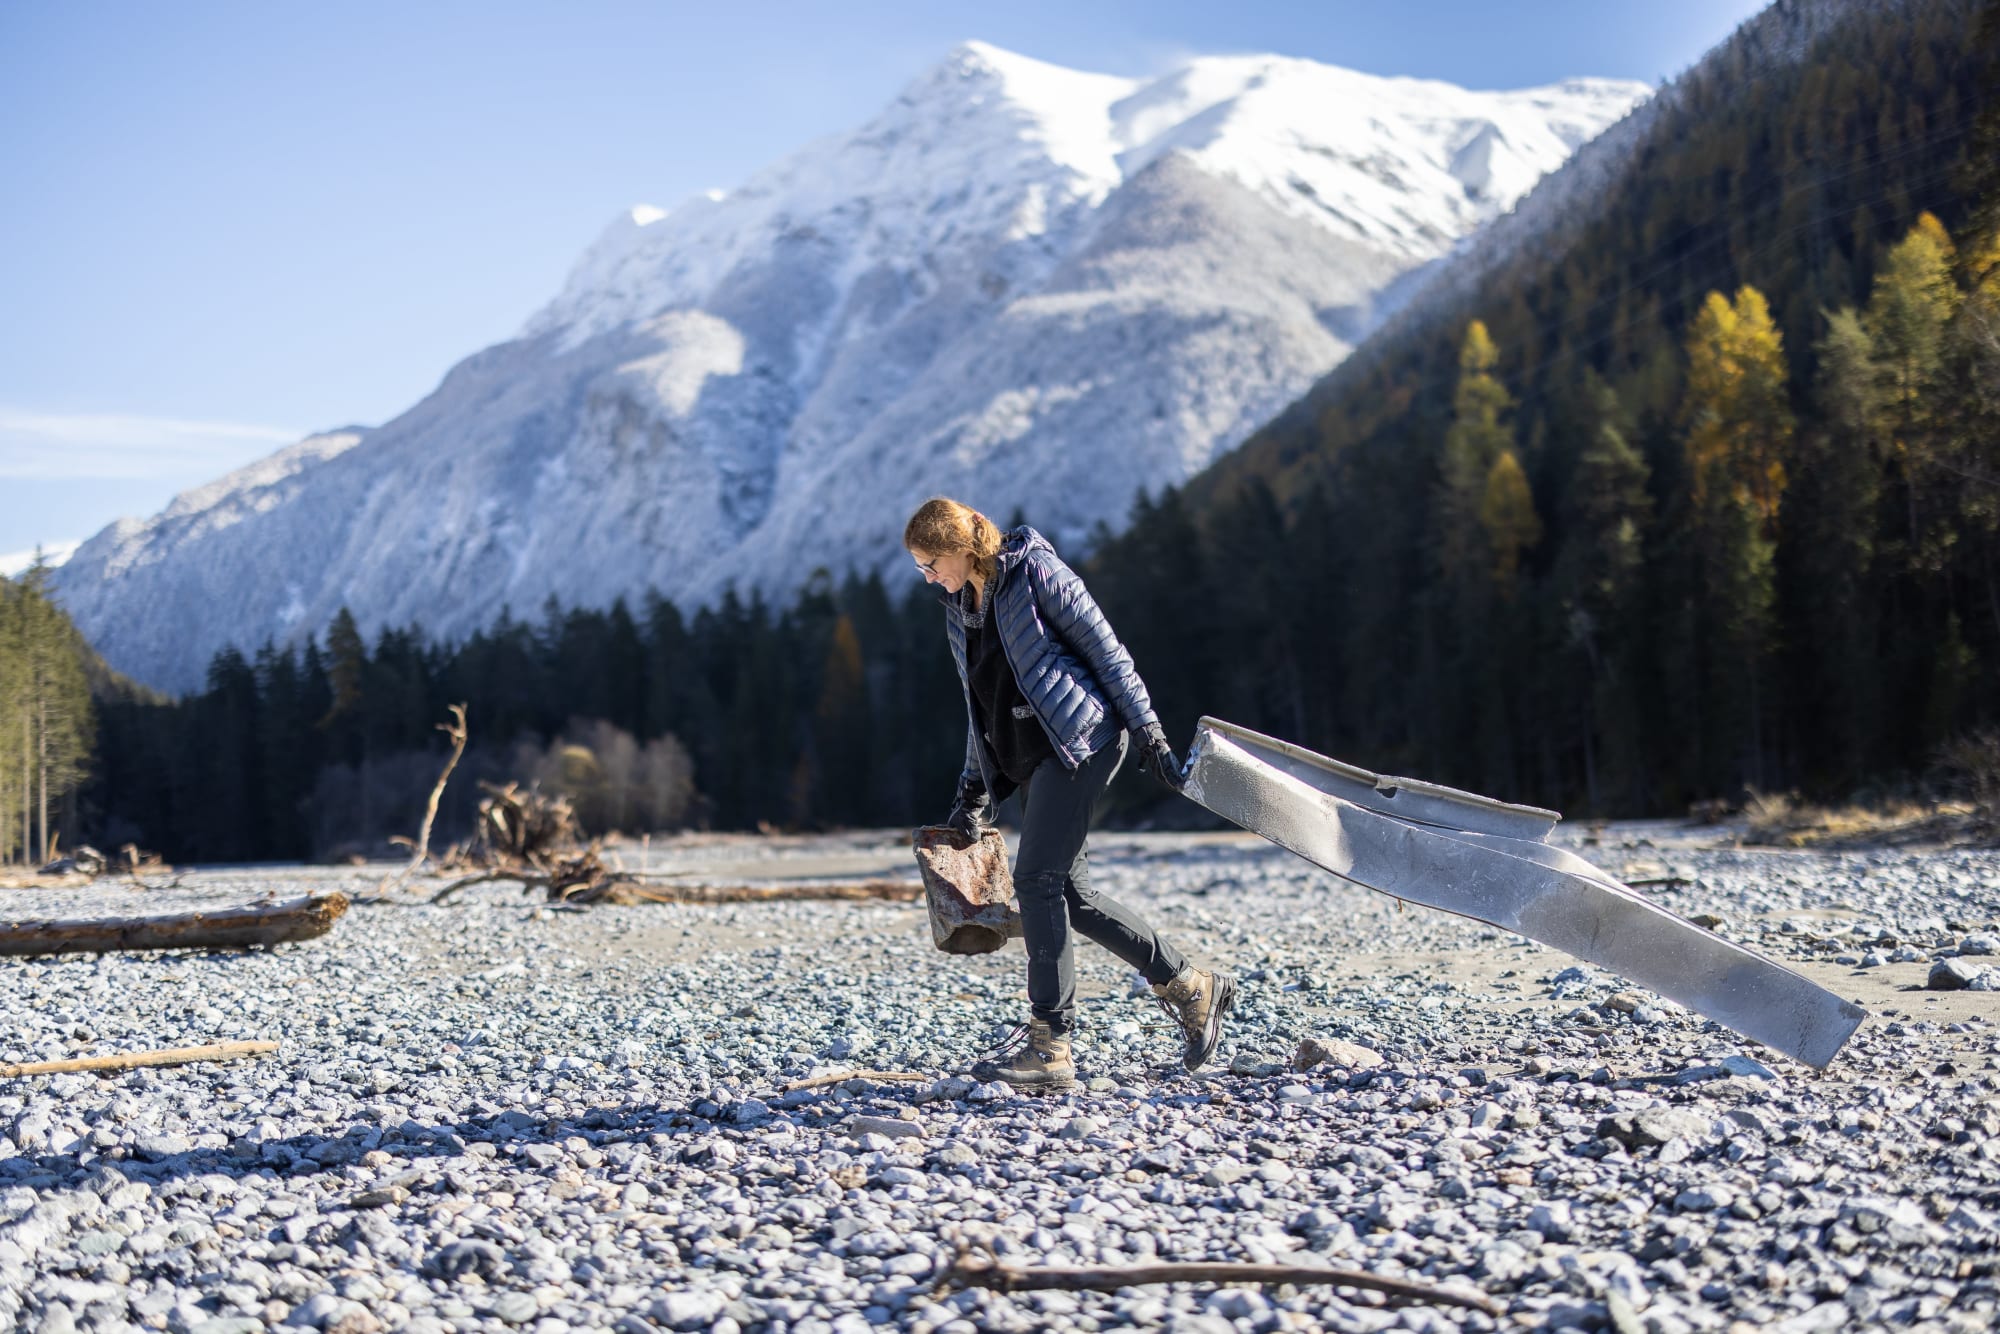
x,y
1701,494
841,710
46,719
1704,492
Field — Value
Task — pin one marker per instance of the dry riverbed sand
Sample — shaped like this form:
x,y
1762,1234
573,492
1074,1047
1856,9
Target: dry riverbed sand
x,y
495,1116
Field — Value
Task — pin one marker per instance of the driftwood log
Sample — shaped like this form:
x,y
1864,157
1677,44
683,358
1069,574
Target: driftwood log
x,y
212,925
967,889
976,1271
132,1060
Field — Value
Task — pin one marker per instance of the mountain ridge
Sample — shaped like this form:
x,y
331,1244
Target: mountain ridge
x,y
1034,287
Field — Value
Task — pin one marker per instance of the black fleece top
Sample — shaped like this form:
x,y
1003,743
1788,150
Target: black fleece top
x,y
1004,715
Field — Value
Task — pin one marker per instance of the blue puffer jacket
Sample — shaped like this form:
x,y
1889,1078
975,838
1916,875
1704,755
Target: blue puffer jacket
x,y
1072,670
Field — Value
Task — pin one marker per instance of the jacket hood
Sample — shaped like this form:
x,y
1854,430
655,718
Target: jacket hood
x,y
1015,545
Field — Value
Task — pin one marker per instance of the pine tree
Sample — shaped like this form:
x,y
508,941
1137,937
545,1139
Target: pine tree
x,y
1739,420
1739,431
1599,575
841,729
1975,352
1472,446
1507,517
1483,517
1910,312
47,720
1836,538
347,665
16,727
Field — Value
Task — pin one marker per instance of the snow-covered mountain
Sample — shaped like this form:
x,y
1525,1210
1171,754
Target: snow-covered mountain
x,y
1027,286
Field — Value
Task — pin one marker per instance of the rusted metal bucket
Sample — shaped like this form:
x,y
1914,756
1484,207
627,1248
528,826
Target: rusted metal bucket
x,y
967,889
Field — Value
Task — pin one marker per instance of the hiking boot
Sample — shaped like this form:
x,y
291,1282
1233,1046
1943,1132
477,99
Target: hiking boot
x,y
1197,1000
1032,1058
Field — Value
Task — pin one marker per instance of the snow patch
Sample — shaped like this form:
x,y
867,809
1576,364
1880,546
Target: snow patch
x,y
1032,287
14,564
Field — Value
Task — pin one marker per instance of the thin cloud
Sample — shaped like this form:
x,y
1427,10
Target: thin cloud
x,y
63,446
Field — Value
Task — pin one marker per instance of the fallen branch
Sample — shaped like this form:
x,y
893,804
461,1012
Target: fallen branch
x,y
220,926
983,1272
138,863
219,1051
420,851
894,891
579,879
842,1076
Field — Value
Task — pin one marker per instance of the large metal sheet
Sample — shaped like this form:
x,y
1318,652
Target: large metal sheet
x,y
1340,818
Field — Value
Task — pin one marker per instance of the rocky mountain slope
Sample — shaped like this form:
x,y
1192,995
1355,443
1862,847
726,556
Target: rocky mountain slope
x,y
1027,286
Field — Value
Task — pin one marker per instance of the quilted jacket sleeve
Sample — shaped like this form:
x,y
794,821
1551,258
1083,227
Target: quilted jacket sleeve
x,y
1074,616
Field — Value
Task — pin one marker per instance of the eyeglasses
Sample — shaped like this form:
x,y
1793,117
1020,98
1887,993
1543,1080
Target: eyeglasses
x,y
929,566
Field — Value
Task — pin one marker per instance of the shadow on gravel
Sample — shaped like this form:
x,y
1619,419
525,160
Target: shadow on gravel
x,y
703,1135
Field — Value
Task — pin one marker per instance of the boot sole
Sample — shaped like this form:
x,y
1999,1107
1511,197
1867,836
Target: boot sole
x,y
1211,1035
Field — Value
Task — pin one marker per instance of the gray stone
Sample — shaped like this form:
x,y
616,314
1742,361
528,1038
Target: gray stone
x,y
543,1156
156,1147
1227,1172
1552,1219
1335,1052
1952,975
688,1310
1747,1067
470,1256
516,1308
889,1127
1650,1126
1704,1199
324,1311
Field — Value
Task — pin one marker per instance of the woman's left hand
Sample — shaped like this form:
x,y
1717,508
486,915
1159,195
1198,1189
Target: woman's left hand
x,y
1157,758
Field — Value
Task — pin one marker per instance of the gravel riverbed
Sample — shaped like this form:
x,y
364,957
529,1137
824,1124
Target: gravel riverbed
x,y
495,1116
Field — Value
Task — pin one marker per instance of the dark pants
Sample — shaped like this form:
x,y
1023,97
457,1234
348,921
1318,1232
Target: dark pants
x,y
1052,886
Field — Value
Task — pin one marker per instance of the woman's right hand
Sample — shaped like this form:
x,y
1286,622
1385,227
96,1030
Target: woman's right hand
x,y
972,811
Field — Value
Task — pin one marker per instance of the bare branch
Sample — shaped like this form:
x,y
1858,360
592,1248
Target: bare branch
x,y
983,1272
220,1051
420,850
842,1076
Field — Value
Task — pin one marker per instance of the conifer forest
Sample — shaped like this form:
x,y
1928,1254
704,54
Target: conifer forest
x,y
1700,496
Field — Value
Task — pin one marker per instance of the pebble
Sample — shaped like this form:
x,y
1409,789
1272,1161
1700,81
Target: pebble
x,y
1334,1051
888,1127
488,1118
1653,1126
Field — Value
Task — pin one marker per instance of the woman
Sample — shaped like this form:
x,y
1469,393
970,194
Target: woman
x,y
1050,694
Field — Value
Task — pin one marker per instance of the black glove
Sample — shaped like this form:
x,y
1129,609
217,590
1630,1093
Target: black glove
x,y
972,810
1157,758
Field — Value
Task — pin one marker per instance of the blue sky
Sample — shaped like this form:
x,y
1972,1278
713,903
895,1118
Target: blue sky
x,y
229,224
